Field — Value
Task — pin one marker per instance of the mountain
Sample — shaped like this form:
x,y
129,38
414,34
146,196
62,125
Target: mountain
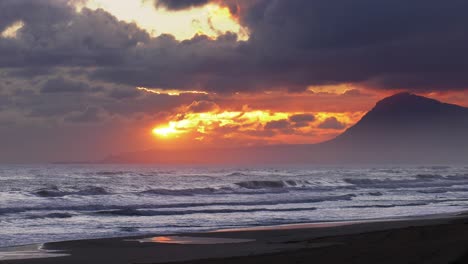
x,y
400,129
406,128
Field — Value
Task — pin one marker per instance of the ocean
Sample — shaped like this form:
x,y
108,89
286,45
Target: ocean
x,y
43,203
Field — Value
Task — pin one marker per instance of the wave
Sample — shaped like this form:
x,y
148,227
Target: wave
x,y
272,184
436,167
429,176
386,205
138,212
390,171
443,190
110,173
128,229
51,215
234,174
54,191
243,187
183,192
101,207
420,180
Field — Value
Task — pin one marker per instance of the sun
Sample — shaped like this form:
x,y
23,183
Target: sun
x,y
166,131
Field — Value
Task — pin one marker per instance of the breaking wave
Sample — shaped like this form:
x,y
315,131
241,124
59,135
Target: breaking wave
x,y
272,184
51,215
420,180
243,187
137,212
387,205
56,192
100,207
183,192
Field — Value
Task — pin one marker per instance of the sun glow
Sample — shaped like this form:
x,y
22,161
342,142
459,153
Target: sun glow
x,y
166,131
211,20
251,125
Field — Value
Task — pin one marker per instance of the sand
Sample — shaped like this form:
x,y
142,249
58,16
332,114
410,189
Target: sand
x,y
430,239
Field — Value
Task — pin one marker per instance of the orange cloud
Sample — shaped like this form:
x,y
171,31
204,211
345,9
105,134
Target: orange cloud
x,y
206,122
259,118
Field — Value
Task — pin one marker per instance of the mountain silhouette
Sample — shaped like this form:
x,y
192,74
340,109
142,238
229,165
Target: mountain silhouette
x,y
406,127
400,129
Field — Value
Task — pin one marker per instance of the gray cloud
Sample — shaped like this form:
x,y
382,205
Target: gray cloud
x,y
293,44
61,85
302,120
298,43
91,114
55,35
280,124
332,123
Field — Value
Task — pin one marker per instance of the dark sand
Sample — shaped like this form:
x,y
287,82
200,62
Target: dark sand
x,y
436,239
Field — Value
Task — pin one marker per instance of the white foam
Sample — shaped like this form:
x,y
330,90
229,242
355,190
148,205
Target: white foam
x,y
29,252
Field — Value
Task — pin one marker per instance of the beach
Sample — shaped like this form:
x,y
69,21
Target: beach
x,y
430,239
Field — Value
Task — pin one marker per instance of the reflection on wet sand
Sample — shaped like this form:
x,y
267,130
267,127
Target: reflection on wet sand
x,y
190,240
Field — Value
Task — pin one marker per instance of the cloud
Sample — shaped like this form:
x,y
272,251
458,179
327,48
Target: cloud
x,y
64,66
61,85
54,34
180,4
279,124
91,114
202,106
293,44
353,93
332,123
296,43
301,120
177,5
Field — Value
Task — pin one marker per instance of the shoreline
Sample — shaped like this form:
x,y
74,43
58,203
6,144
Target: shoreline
x,y
265,244
285,226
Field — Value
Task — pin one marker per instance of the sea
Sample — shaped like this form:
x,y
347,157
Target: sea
x,y
44,203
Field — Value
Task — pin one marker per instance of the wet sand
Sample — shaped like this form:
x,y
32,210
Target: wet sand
x,y
433,239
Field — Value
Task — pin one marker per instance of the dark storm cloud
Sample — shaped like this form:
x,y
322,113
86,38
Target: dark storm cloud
x,y
364,40
180,4
418,45
55,35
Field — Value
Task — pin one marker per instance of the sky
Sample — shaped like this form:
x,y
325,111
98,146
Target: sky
x,y
82,79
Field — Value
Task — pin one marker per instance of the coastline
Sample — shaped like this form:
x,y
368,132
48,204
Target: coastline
x,y
428,239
